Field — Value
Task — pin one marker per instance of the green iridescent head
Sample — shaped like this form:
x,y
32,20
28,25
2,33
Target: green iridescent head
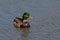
x,y
26,15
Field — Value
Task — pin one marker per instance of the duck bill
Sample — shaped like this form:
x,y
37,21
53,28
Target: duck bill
x,y
30,17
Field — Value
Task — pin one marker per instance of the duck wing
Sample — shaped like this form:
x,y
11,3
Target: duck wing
x,y
17,20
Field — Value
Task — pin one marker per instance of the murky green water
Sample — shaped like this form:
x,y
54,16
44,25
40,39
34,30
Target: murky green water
x,y
45,24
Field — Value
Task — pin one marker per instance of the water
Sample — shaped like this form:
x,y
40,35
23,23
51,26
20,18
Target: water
x,y
45,24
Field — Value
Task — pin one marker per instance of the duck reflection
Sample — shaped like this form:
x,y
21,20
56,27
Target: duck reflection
x,y
24,33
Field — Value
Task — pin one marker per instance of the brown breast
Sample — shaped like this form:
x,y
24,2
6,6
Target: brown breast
x,y
25,25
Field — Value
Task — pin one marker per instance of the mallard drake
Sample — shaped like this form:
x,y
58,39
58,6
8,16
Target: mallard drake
x,y
22,22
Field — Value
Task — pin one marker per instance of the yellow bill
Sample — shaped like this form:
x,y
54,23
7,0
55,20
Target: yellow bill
x,y
30,17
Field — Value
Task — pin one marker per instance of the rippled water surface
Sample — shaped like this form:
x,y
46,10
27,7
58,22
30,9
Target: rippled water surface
x,y
45,24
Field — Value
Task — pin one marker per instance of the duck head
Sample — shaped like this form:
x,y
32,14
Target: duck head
x,y
26,16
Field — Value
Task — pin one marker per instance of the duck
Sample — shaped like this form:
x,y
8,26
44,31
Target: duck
x,y
22,22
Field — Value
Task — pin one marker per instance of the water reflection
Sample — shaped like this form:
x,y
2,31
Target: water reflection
x,y
24,33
